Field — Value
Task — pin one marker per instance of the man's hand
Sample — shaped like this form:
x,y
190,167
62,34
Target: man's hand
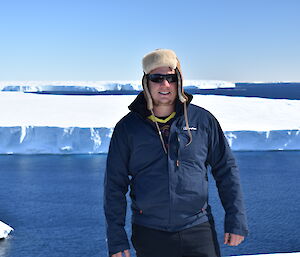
x,y
119,254
233,239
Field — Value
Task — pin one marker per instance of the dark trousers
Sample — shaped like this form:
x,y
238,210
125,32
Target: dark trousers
x,y
198,241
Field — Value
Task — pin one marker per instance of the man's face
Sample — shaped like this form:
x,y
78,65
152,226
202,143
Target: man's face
x,y
163,93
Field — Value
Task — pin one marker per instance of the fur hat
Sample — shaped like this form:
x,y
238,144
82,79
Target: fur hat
x,y
161,58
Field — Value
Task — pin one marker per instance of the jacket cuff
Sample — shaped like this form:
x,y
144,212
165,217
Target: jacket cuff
x,y
118,248
237,231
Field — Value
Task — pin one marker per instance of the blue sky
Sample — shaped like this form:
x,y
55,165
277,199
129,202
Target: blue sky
x,y
233,40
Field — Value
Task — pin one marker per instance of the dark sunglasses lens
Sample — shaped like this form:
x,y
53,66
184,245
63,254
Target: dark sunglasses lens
x,y
159,78
156,78
171,78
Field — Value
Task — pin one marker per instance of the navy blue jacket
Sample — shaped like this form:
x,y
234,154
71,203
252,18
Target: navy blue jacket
x,y
169,191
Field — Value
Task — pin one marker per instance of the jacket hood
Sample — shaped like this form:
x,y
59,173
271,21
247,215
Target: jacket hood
x,y
139,105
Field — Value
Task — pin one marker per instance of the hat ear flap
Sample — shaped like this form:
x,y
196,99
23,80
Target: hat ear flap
x,y
147,92
182,97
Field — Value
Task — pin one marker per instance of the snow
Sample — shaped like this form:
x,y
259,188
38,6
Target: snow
x,y
19,109
233,113
252,113
4,230
38,123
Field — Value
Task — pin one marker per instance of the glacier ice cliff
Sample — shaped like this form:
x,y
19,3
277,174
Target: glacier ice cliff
x,y
264,140
76,140
86,87
54,140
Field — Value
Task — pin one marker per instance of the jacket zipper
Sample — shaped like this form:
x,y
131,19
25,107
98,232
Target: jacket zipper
x,y
178,152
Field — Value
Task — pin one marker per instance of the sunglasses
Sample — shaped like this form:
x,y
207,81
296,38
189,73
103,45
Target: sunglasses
x,y
159,78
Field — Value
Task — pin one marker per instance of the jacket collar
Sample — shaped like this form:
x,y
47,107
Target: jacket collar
x,y
139,105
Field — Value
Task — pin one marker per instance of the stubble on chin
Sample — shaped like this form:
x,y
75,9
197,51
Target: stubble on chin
x,y
163,103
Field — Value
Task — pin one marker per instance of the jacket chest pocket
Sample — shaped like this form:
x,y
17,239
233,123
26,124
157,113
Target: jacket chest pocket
x,y
193,151
185,151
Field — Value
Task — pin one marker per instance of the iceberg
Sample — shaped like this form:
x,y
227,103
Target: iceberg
x,y
76,140
94,87
54,140
207,84
83,124
4,230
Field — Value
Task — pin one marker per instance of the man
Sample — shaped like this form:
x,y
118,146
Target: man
x,y
163,149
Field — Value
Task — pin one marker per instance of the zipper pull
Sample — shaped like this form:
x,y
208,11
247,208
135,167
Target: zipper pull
x,y
177,163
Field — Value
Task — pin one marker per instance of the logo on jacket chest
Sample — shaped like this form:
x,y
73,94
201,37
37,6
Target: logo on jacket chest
x,y
191,128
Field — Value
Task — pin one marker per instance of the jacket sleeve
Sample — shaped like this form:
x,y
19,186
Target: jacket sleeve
x,y
116,183
226,174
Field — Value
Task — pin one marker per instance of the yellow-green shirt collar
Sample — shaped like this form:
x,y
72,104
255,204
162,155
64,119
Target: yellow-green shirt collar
x,y
153,118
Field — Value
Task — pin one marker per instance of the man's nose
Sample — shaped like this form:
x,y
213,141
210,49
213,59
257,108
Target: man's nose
x,y
165,83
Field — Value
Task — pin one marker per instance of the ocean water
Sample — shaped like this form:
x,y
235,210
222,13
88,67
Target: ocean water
x,y
54,203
